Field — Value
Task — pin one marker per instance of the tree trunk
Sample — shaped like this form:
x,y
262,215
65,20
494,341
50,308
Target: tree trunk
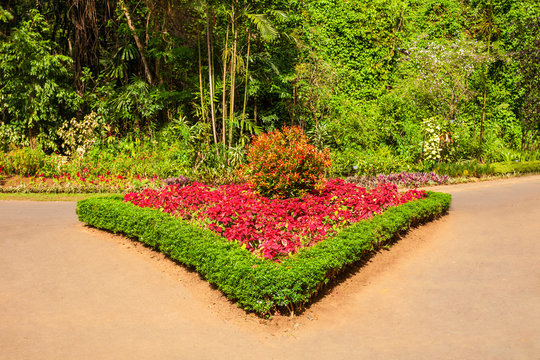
x,y
255,110
482,122
137,42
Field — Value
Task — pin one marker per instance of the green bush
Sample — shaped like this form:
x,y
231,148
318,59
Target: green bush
x,y
464,168
258,285
25,161
355,162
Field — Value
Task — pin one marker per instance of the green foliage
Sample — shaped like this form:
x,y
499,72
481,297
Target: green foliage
x,y
464,169
436,18
359,76
36,93
284,164
513,167
528,57
353,162
314,88
129,109
357,38
78,136
258,285
5,15
134,157
11,138
25,161
177,149
442,71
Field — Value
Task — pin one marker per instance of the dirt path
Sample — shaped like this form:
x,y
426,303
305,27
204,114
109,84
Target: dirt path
x,y
464,287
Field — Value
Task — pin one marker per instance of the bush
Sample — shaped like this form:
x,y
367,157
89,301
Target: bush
x,y
400,179
356,162
258,285
25,161
516,167
79,136
284,164
11,137
464,169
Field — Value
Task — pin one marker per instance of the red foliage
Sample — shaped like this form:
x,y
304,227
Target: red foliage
x,y
283,163
273,227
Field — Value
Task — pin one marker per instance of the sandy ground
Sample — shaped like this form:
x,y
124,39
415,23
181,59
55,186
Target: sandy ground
x,y
466,286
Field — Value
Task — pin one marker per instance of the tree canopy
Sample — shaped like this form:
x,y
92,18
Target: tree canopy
x,y
356,75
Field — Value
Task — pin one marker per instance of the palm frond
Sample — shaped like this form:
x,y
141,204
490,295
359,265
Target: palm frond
x,y
280,15
266,29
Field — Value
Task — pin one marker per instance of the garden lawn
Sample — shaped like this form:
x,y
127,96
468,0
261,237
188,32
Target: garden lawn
x,y
293,256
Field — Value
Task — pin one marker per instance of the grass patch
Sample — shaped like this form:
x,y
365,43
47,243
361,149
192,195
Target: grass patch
x,y
259,285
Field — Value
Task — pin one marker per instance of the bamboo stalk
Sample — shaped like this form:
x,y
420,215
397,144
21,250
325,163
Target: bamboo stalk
x,y
224,84
246,81
210,81
203,112
233,76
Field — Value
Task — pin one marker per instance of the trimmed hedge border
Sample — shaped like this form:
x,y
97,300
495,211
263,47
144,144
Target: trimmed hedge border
x,y
510,167
256,284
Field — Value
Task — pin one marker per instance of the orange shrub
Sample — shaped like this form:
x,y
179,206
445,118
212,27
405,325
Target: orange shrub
x,y
284,164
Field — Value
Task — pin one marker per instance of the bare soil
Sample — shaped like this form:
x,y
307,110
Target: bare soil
x,y
466,286
17,180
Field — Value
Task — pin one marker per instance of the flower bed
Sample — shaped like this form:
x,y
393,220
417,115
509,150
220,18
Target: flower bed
x,y
273,228
403,179
257,284
80,182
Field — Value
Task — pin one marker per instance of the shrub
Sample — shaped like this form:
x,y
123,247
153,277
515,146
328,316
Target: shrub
x,y
400,179
284,164
79,136
357,162
11,137
181,181
516,167
26,161
464,168
258,285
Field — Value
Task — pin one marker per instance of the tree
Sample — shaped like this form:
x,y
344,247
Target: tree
x,y
528,57
488,30
36,93
442,70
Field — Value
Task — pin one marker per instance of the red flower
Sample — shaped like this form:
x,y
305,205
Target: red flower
x,y
273,227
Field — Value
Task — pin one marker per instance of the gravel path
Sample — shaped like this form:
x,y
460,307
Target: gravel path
x,y
466,286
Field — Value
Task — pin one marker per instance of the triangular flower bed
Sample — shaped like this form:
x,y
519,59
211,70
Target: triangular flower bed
x,y
307,241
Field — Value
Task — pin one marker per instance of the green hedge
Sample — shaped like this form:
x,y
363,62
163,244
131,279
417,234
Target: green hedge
x,y
510,167
259,285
